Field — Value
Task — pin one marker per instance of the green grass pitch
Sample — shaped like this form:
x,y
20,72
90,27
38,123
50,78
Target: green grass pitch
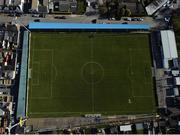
x,y
80,73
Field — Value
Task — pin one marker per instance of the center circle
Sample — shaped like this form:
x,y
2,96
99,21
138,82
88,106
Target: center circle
x,y
92,72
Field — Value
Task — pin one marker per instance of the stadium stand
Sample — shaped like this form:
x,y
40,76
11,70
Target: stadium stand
x,y
169,46
78,26
21,107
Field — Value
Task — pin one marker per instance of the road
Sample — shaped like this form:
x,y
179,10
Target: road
x,y
25,19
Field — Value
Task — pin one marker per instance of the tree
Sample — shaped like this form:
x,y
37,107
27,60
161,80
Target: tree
x,y
137,7
103,10
125,7
122,12
128,12
118,13
176,12
146,2
81,8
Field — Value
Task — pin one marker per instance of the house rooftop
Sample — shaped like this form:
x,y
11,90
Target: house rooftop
x,y
42,9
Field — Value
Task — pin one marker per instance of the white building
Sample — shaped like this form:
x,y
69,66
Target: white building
x,y
169,47
177,81
155,6
125,128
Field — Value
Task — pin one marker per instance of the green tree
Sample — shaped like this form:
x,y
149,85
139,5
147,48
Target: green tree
x,y
81,7
128,12
103,10
122,12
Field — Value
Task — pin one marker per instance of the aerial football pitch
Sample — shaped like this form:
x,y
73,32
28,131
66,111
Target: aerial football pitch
x,y
76,73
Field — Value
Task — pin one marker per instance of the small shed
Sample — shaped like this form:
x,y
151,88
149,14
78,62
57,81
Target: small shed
x,y
125,128
175,72
139,126
177,80
176,91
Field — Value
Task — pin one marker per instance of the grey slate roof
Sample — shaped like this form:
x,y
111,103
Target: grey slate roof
x,y
67,5
42,9
1,112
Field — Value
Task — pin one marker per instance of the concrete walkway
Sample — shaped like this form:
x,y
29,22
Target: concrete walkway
x,y
71,122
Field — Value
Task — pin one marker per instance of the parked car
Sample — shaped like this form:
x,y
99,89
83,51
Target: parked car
x,y
140,19
18,14
112,18
42,15
39,15
36,20
94,21
60,17
11,15
134,19
35,15
128,19
33,11
14,14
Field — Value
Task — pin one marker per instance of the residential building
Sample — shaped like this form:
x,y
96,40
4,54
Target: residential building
x,y
18,3
68,6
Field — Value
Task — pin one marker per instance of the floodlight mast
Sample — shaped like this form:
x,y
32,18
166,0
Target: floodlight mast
x,y
21,122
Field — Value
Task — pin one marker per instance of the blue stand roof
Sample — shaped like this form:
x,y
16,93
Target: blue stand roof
x,y
47,25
